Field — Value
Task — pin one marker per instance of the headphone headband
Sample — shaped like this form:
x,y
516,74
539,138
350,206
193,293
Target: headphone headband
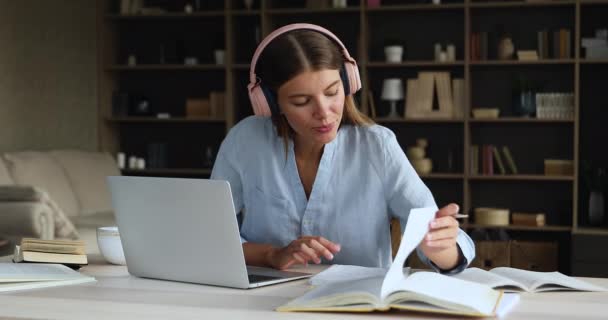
x,y
259,102
284,29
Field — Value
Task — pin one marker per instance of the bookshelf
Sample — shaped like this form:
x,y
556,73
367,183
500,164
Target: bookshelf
x,y
230,26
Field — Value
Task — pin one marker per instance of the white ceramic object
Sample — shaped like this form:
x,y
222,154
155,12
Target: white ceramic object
x,y
393,54
415,153
108,240
422,166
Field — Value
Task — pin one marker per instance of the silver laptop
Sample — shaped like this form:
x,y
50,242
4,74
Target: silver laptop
x,y
185,230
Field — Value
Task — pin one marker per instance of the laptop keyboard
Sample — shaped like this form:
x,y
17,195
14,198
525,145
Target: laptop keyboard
x,y
255,278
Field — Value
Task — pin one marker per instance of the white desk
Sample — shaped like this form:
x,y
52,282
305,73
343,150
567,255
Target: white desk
x,y
118,295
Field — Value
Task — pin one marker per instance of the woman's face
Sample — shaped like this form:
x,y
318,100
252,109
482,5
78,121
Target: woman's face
x,y
313,103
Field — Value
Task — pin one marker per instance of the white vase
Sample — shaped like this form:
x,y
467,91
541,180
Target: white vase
x,y
596,208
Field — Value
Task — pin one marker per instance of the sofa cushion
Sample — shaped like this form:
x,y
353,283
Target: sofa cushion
x,y
87,173
41,170
37,199
5,177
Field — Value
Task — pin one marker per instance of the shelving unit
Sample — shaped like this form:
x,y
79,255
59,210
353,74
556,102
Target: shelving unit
x,y
364,30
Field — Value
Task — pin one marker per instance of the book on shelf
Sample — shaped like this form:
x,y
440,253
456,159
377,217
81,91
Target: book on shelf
x,y
24,276
498,159
487,160
71,253
430,88
528,219
475,159
509,159
518,280
527,55
420,291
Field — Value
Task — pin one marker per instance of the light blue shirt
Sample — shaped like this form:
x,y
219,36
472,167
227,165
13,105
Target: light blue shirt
x,y
364,179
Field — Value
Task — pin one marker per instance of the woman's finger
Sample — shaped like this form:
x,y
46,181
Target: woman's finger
x,y
308,253
441,244
441,234
444,222
321,250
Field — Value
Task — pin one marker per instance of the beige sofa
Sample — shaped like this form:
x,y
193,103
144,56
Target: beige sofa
x,y
55,194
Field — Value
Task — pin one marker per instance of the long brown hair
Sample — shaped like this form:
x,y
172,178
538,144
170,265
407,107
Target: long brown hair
x,y
293,53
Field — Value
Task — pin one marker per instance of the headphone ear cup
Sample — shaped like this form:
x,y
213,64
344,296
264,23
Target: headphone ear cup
x,y
352,74
345,81
270,100
258,101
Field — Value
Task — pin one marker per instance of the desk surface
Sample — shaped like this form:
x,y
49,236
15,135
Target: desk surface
x,y
118,295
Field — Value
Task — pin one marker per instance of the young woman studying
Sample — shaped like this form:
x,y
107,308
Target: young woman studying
x,y
314,179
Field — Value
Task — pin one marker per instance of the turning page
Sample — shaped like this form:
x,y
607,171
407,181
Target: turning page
x,y
339,272
416,228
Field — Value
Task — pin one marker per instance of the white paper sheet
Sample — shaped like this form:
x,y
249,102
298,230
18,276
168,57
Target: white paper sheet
x,y
416,228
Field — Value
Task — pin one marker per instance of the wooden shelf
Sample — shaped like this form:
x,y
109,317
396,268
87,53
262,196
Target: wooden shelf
x,y
416,7
443,176
584,2
594,61
521,120
160,172
591,231
168,15
287,11
519,4
245,12
519,228
241,66
161,120
167,67
402,120
519,177
522,63
419,63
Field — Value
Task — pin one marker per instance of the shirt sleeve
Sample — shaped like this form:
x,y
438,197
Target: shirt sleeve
x,y
225,169
405,191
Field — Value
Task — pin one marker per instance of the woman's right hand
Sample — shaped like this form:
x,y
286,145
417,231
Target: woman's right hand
x,y
301,251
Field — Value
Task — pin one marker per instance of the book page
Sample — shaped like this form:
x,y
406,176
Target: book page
x,y
546,281
339,294
491,279
338,272
416,228
448,292
23,272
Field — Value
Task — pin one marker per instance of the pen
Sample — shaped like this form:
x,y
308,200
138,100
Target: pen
x,y
460,216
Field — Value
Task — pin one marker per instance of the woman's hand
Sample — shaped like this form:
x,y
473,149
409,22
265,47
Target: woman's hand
x,y
439,244
302,251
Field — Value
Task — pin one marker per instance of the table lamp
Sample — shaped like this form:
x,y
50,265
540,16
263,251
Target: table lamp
x,y
392,90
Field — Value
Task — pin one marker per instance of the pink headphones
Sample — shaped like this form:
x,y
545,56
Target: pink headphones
x,y
259,101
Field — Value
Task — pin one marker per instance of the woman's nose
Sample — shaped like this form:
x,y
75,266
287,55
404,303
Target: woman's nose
x,y
322,107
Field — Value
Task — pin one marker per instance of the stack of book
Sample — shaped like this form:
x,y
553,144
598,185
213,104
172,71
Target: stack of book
x,y
68,252
24,276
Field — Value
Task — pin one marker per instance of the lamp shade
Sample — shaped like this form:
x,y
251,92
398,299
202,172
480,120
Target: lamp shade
x,y
392,89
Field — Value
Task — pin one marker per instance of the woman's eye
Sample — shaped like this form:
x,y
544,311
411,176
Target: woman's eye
x,y
300,103
333,93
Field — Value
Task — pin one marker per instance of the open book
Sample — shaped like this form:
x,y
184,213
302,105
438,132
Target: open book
x,y
517,280
21,276
420,291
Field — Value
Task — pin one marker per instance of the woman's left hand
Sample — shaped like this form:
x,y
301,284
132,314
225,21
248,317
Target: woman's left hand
x,y
439,244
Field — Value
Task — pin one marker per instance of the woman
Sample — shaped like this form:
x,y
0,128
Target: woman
x,y
315,180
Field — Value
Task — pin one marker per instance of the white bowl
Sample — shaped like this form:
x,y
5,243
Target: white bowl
x,y
108,240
